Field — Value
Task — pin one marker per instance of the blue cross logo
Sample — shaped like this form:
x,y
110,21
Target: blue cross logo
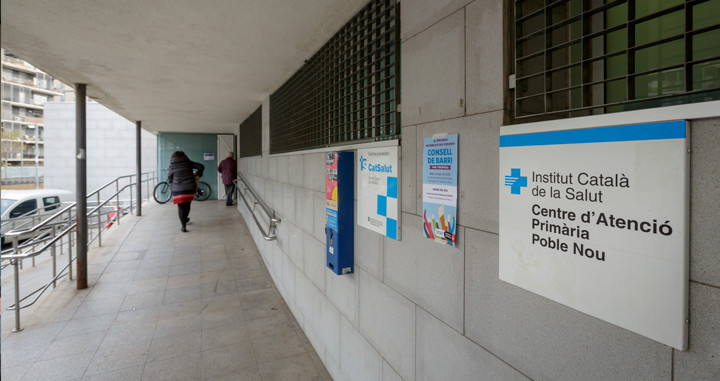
x,y
515,181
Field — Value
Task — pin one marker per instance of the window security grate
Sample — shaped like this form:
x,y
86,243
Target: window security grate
x,y
251,135
584,57
348,91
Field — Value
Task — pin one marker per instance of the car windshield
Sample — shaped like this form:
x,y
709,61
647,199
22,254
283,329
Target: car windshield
x,y
6,202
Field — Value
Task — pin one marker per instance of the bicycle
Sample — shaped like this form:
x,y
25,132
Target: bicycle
x,y
162,193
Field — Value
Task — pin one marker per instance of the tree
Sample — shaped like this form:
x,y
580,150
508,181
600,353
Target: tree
x,y
11,144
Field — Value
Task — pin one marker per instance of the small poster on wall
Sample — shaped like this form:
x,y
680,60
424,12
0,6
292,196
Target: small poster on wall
x,y
440,188
378,190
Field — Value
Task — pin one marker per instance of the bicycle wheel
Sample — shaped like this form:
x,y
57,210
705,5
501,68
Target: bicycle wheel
x,y
202,192
162,192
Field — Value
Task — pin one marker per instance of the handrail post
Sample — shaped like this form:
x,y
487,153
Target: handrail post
x,y
99,228
33,258
272,227
17,294
117,200
15,245
52,252
99,222
131,197
70,276
138,162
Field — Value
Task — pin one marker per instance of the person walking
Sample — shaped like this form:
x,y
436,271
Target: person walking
x,y
228,168
183,184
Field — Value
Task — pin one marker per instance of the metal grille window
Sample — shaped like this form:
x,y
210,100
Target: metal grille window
x,y
584,57
348,91
251,135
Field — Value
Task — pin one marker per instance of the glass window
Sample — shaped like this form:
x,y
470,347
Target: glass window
x,y
659,28
706,45
51,203
609,56
706,14
616,66
5,203
24,208
706,75
647,7
616,16
6,92
659,56
660,83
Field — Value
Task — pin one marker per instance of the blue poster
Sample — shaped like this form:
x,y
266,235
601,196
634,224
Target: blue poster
x,y
440,160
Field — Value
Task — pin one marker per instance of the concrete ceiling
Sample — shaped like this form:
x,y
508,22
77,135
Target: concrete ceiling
x,y
175,65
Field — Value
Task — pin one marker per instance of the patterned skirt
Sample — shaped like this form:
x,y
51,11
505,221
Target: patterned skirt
x,y
183,196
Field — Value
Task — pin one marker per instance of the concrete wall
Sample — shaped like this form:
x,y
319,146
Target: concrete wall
x,y
415,310
110,147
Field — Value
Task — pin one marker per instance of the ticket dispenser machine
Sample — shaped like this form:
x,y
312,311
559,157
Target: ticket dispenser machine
x,y
339,211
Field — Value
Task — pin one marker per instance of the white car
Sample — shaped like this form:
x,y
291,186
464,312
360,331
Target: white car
x,y
19,207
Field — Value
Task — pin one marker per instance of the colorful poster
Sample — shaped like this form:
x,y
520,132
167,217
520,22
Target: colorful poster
x,y
378,190
597,219
440,159
331,190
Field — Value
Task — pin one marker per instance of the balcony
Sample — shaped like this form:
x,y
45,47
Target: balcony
x,y
18,64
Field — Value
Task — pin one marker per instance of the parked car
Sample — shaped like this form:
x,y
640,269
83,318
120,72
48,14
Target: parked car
x,y
19,207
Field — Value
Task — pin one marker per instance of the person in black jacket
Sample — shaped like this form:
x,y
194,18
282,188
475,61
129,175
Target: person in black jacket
x,y
183,184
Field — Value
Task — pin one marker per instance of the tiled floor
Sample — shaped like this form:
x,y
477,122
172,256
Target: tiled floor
x,y
164,305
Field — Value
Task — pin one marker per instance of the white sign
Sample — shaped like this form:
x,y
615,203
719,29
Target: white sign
x,y
597,219
379,190
208,156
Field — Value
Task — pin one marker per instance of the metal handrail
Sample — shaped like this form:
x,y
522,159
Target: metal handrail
x,y
32,213
152,175
13,259
30,216
44,223
271,234
43,238
268,211
13,234
117,179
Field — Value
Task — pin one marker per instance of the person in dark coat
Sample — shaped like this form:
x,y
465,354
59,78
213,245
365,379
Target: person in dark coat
x,y
183,184
228,168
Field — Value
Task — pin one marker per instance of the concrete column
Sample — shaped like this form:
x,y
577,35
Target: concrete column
x,y
81,184
138,159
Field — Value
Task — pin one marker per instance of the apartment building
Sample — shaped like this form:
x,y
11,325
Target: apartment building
x,y
25,89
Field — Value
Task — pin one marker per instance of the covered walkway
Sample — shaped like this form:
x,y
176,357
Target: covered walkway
x,y
165,305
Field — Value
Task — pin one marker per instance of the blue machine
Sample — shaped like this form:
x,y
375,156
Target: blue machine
x,y
339,211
